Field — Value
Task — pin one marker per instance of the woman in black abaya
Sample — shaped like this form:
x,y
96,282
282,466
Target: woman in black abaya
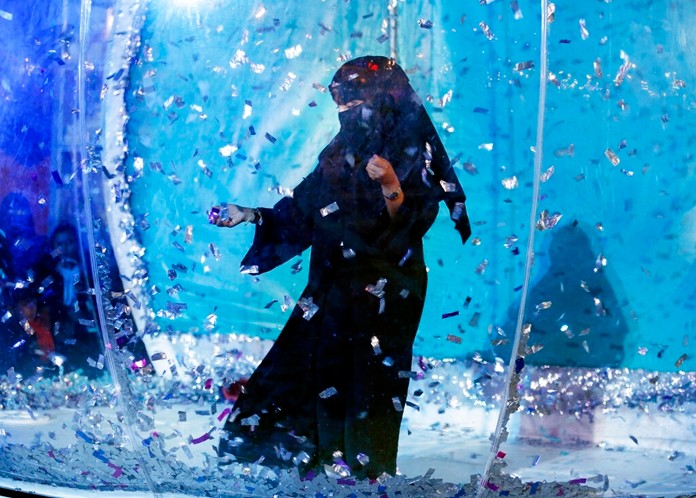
x,y
333,387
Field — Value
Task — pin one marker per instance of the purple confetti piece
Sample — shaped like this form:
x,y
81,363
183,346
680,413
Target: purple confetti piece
x,y
492,486
201,439
271,138
224,413
118,471
450,314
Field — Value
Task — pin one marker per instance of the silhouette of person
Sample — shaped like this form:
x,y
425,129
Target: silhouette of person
x,y
573,309
332,389
28,250
77,316
31,297
12,336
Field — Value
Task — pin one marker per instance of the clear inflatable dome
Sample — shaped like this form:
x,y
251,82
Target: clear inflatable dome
x,y
347,248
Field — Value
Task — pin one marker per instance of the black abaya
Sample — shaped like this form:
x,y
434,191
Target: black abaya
x,y
337,377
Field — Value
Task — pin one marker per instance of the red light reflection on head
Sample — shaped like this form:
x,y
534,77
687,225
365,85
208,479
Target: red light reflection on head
x,y
372,66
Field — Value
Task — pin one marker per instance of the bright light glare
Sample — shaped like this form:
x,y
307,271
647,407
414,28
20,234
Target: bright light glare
x,y
187,3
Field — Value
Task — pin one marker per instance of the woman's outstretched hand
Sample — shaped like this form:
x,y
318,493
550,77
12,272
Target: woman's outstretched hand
x,y
230,215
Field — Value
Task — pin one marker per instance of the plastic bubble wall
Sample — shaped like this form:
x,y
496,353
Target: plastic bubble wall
x,y
551,352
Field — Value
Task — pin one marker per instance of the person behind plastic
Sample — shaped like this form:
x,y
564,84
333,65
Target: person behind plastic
x,y
331,391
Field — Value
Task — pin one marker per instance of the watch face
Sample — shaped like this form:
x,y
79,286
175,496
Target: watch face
x,y
393,195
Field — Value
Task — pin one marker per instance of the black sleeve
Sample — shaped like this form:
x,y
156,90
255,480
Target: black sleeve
x,y
443,173
284,232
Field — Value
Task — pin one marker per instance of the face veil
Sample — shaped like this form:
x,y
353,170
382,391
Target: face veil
x,y
380,113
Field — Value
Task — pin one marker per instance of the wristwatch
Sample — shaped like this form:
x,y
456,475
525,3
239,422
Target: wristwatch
x,y
392,196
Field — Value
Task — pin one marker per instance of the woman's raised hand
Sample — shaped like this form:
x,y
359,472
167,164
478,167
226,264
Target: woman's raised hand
x,y
381,171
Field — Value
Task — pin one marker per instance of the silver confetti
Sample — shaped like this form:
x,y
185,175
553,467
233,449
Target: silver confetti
x,y
600,263
377,289
516,11
448,187
546,221
251,421
623,70
428,155
458,211
510,183
287,303
543,305
374,342
521,66
328,392
308,307
545,176
584,33
597,65
249,269
613,158
486,30
327,210
681,360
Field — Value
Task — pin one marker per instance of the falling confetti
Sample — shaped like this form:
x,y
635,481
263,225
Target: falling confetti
x,y
510,183
546,175
597,64
521,66
308,307
612,157
584,33
328,392
454,338
486,30
327,210
547,221
623,70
